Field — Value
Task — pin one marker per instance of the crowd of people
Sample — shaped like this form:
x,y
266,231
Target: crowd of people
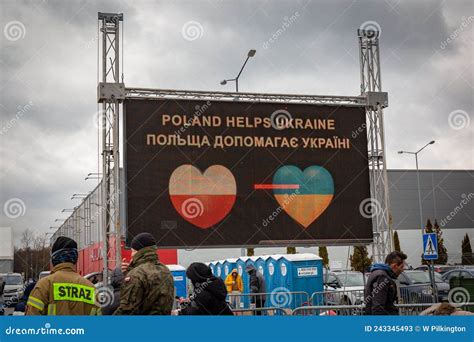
x,y
145,287
142,287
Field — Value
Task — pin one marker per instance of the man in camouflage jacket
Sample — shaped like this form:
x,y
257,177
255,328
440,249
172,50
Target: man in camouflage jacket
x,y
148,287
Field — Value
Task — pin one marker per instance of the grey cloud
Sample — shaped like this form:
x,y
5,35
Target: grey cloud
x,y
49,150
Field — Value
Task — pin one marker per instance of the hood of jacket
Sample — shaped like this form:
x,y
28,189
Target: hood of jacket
x,y
203,280
250,269
377,266
383,267
217,288
199,273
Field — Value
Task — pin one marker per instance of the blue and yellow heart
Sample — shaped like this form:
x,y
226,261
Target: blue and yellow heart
x,y
304,195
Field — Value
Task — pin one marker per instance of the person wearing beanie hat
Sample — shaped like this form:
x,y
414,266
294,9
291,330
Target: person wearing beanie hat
x,y
64,250
147,286
64,291
143,240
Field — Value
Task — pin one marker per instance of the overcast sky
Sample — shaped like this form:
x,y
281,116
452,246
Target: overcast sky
x,y
48,70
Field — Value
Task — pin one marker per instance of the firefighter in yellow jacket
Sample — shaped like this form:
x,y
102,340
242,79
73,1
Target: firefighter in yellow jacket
x,y
64,291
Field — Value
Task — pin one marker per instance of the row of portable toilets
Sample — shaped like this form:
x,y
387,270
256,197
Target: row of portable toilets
x,y
290,279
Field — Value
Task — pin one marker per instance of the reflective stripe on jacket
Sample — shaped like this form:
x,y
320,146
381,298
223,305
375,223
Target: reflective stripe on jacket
x,y
63,292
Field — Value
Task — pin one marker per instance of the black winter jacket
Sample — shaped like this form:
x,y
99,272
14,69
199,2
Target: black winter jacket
x,y
209,297
380,293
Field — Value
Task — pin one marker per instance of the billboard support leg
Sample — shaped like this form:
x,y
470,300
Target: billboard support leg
x,y
110,93
371,87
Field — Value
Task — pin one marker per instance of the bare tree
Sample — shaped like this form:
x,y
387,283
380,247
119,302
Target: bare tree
x,y
39,246
33,256
27,238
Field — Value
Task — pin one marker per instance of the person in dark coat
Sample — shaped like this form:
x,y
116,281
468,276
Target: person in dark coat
x,y
209,295
380,293
115,281
20,307
257,285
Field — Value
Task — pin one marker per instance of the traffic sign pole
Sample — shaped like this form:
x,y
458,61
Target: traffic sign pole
x,y
430,252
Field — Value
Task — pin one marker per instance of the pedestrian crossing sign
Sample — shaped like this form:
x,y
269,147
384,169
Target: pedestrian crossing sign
x,y
430,246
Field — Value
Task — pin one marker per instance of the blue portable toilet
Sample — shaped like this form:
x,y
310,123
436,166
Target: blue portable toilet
x,y
241,264
260,265
271,274
252,261
297,273
220,269
212,266
179,279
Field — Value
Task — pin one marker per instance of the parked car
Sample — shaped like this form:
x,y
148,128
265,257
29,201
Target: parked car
x,y
13,288
94,277
415,287
2,310
437,268
458,273
44,274
344,287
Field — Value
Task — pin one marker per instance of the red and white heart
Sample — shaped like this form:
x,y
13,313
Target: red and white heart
x,y
203,199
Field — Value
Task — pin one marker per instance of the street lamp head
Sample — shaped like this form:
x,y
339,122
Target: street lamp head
x,y
400,152
251,53
432,142
223,82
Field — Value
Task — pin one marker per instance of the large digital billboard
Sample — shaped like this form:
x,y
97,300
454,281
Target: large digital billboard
x,y
216,173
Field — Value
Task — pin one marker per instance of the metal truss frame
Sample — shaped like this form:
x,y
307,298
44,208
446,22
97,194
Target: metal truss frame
x,y
111,93
109,96
371,87
144,93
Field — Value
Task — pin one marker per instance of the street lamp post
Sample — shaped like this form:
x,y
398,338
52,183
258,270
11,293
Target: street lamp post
x,y
418,179
251,53
421,208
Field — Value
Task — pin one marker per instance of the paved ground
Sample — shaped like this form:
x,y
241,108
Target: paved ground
x,y
8,311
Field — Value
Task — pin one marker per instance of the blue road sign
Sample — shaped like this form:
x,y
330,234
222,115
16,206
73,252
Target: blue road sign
x,y
430,246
